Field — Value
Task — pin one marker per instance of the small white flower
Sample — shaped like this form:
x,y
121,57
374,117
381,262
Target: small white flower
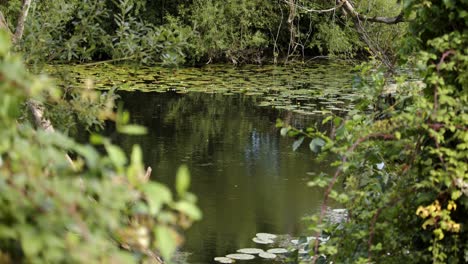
x,y
380,165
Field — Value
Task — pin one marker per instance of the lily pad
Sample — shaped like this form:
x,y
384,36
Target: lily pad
x,y
224,260
262,241
266,236
250,250
240,256
267,255
277,251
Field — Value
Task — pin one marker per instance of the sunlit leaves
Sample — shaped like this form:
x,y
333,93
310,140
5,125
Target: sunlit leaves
x,y
157,195
101,209
182,180
166,239
316,144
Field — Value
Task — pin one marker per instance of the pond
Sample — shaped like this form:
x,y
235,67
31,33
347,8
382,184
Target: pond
x,y
246,176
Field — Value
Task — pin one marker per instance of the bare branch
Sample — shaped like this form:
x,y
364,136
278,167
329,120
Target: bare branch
x,y
348,8
316,10
21,20
386,20
37,110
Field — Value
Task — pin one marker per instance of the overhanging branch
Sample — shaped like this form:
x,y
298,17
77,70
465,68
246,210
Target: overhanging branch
x,y
386,20
349,9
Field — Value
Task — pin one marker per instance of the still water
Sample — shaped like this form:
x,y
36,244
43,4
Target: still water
x,y
246,176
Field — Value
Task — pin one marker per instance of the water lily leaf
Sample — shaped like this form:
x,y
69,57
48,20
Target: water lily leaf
x,y
267,255
277,250
297,143
240,256
265,236
316,144
262,241
223,260
250,250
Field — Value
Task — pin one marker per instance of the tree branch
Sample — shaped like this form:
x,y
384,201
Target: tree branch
x,y
21,20
386,20
38,113
316,10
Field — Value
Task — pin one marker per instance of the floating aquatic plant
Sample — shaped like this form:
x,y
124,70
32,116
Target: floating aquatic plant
x,y
307,90
262,241
265,236
250,250
277,250
267,255
224,260
240,256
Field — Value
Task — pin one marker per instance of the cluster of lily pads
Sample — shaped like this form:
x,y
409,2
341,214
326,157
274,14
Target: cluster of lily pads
x,y
312,89
299,246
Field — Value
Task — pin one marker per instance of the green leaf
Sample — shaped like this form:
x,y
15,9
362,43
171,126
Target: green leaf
x,y
182,180
116,155
284,131
90,154
328,118
30,241
156,195
132,130
137,155
316,144
297,143
5,43
165,241
190,209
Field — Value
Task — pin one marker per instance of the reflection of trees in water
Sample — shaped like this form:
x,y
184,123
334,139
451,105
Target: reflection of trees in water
x,y
244,174
195,124
262,150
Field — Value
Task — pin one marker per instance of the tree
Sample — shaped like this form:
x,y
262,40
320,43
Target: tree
x,y
403,165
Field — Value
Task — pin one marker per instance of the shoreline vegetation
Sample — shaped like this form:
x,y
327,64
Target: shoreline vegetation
x,y
401,158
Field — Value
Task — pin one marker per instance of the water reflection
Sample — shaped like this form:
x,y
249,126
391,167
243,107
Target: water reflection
x,y
246,176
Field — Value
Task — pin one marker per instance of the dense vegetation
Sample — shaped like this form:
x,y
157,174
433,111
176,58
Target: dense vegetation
x,y
100,206
403,156
199,31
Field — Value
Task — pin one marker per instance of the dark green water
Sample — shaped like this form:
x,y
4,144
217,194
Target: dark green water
x,y
246,176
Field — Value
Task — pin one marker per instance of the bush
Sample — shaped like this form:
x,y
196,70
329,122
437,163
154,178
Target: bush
x,y
100,207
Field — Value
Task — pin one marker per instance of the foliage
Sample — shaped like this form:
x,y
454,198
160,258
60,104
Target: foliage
x,y
238,31
100,208
234,30
403,155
